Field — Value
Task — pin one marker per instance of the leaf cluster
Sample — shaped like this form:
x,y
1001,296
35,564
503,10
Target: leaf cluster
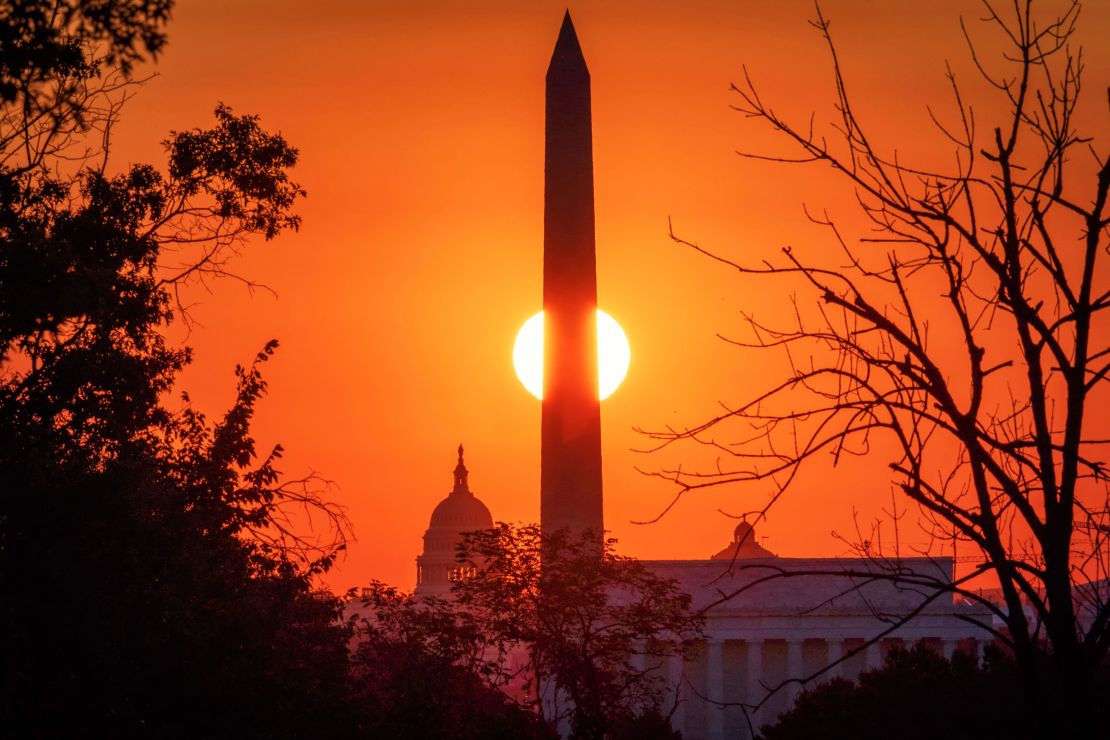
x,y
426,669
155,582
581,615
915,694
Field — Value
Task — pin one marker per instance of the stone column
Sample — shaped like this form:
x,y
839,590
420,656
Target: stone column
x,y
715,689
835,653
754,691
975,652
674,681
793,670
874,654
949,648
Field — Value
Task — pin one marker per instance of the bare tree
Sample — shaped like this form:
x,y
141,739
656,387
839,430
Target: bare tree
x,y
990,435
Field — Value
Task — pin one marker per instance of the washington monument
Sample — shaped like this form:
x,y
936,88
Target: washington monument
x,y
570,467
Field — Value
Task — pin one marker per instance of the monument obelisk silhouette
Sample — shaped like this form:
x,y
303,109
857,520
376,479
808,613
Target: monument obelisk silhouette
x,y
570,466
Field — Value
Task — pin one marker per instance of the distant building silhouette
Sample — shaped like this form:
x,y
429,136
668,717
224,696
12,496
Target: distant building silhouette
x,y
743,545
461,511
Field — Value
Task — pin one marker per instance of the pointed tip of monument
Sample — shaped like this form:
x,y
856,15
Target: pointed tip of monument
x,y
567,59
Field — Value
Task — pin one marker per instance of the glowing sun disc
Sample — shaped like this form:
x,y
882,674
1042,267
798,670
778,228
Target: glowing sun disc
x,y
613,355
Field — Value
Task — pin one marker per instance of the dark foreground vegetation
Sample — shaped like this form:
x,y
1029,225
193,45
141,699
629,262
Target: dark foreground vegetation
x,y
918,695
150,585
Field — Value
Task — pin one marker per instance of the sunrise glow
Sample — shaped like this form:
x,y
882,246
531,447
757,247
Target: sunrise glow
x,y
613,355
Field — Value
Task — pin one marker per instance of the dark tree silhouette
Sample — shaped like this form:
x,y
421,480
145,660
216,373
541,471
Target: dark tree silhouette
x,y
152,584
579,620
915,694
426,669
991,427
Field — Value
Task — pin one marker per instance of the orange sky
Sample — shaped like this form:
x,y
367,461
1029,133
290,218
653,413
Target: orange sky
x,y
420,127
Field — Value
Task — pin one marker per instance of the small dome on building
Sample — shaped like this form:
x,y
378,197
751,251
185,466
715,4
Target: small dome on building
x,y
744,545
460,512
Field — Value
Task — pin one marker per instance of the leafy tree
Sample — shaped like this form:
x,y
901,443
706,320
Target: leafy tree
x,y
916,694
152,584
54,50
581,618
424,669
989,427
648,725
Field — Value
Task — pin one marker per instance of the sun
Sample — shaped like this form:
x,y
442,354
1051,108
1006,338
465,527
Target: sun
x,y
613,355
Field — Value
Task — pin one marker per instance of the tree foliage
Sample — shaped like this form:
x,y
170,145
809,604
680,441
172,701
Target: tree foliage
x,y
966,331
51,47
426,669
153,583
916,694
580,618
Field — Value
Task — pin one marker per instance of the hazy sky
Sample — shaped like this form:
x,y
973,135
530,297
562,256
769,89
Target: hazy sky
x,y
420,127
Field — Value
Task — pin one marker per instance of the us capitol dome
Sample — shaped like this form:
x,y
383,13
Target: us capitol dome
x,y
460,512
